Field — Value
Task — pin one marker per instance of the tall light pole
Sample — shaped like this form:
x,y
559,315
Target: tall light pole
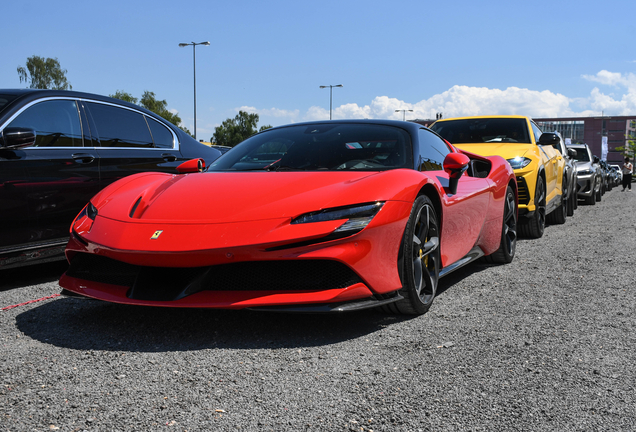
x,y
330,95
403,113
194,62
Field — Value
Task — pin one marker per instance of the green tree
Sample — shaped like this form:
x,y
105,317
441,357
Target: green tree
x,y
44,73
233,131
122,95
630,148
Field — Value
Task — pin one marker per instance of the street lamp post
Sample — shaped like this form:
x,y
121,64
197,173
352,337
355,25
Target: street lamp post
x,y
404,113
194,62
330,95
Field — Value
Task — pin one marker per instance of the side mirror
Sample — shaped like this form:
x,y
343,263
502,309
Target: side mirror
x,y
549,138
571,153
455,164
191,166
596,159
17,137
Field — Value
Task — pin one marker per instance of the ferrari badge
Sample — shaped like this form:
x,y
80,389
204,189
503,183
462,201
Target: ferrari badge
x,y
156,235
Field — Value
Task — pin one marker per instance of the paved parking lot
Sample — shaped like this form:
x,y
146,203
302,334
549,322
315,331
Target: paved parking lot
x,y
545,343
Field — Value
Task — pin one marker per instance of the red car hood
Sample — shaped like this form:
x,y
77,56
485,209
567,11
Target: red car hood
x,y
221,197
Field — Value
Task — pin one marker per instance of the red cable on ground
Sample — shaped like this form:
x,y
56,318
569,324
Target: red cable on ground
x,y
30,301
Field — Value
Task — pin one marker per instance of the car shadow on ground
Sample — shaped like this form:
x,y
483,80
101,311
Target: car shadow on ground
x,y
85,324
94,325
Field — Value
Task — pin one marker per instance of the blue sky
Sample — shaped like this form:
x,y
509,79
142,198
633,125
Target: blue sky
x,y
541,58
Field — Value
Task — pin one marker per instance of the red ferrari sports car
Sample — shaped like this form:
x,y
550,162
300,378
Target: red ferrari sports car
x,y
321,216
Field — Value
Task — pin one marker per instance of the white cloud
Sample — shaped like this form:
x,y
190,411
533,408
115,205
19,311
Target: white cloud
x,y
466,101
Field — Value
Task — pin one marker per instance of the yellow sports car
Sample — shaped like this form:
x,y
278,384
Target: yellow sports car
x,y
538,165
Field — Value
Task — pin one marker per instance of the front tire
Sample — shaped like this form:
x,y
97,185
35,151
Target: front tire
x,y
534,227
508,244
420,258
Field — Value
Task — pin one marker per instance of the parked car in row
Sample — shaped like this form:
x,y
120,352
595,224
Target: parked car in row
x,y
538,165
588,174
59,148
347,215
569,176
619,173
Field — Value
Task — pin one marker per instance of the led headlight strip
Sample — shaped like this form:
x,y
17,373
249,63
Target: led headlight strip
x,y
358,216
519,162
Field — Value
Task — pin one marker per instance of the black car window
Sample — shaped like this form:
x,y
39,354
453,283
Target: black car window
x,y
161,136
483,130
119,127
323,146
536,131
432,151
56,123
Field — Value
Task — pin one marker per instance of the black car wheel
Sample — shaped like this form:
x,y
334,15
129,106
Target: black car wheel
x,y
559,214
534,227
420,259
591,200
508,245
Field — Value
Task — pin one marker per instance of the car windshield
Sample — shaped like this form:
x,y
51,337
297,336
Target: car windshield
x,y
321,147
483,130
5,99
582,155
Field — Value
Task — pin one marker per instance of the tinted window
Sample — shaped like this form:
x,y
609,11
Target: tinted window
x,y
328,147
119,127
5,99
536,131
483,130
432,151
55,122
161,136
582,154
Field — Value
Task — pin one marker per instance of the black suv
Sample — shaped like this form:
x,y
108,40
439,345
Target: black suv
x,y
59,148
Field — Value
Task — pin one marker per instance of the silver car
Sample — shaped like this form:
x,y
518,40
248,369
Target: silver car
x,y
588,174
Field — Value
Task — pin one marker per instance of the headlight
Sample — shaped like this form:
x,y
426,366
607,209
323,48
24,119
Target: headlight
x,y
585,171
358,216
519,162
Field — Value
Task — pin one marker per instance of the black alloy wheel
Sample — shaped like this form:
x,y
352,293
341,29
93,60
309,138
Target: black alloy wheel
x,y
534,227
420,260
508,245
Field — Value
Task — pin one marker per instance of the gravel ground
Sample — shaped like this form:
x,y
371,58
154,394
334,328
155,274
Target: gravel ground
x,y
545,343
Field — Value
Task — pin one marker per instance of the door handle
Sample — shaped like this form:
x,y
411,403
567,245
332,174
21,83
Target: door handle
x,y
169,157
83,157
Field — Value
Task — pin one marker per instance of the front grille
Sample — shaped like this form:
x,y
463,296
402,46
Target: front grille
x,y
522,190
165,284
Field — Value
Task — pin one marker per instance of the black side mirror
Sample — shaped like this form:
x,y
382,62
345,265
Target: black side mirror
x,y
17,137
549,138
596,159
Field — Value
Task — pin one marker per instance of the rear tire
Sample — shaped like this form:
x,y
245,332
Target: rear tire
x,y
508,244
559,214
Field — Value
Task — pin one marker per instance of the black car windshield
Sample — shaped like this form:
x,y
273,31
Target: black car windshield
x,y
483,130
5,99
582,155
321,147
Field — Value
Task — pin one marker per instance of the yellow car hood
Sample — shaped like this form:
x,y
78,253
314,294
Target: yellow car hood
x,y
505,150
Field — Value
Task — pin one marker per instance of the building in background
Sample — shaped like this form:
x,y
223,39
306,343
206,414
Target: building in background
x,y
593,131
